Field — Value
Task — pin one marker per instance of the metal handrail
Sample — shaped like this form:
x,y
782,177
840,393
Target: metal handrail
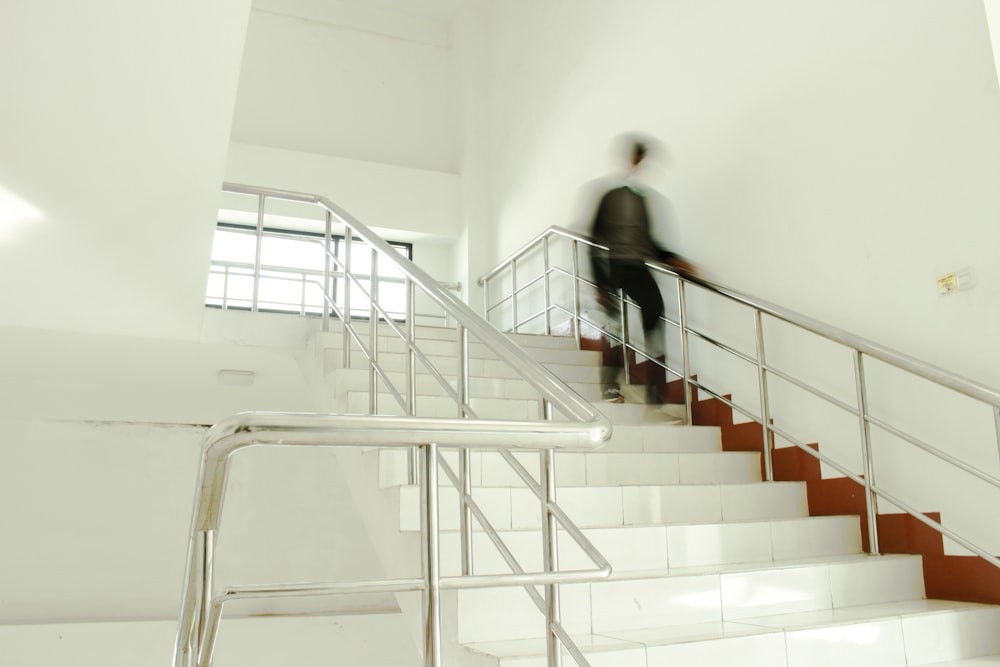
x,y
201,609
585,428
861,347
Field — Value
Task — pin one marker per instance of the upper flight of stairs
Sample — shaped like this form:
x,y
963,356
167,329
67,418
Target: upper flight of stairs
x,y
712,566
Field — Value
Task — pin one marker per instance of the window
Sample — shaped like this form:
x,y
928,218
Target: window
x,y
282,271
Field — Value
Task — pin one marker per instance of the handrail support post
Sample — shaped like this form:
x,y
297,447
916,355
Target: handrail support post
x,y
685,350
765,403
431,555
871,499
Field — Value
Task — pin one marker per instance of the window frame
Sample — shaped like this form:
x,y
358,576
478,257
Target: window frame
x,y
256,271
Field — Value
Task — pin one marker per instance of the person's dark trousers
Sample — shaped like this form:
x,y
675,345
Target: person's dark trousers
x,y
636,280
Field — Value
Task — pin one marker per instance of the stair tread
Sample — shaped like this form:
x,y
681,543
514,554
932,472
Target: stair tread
x,y
724,522
758,625
734,568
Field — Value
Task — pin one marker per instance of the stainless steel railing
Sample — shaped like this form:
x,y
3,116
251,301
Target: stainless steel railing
x,y
522,283
582,427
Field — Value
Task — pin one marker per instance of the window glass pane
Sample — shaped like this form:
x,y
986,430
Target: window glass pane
x,y
216,284
293,253
234,246
388,268
361,257
281,289
314,296
292,277
392,298
360,306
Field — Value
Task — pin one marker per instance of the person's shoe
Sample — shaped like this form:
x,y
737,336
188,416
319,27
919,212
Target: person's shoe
x,y
612,396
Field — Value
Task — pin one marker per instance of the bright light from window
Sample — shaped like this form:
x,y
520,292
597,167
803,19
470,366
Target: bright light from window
x,y
292,268
15,212
993,23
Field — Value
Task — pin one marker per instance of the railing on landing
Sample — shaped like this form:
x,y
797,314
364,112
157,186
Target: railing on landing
x,y
580,427
531,291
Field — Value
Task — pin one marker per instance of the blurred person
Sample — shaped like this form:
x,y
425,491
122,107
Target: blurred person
x,y
621,223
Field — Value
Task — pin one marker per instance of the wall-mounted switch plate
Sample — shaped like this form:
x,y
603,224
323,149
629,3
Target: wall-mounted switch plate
x,y
955,281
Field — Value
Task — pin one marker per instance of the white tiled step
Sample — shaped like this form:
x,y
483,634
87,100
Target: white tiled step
x,y
357,379
728,594
985,661
436,340
653,437
605,507
639,413
555,354
567,368
903,634
543,342
593,468
670,547
357,402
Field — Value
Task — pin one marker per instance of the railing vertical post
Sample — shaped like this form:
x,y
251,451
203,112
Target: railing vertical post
x,y
225,289
546,295
208,622
348,279
189,631
327,292
623,314
996,420
373,334
765,403
547,477
413,467
871,501
486,299
465,457
577,334
685,349
256,262
431,556
513,296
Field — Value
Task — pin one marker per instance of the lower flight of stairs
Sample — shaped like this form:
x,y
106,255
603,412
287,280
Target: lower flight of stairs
x,y
712,566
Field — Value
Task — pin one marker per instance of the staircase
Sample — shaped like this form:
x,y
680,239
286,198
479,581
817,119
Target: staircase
x,y
712,566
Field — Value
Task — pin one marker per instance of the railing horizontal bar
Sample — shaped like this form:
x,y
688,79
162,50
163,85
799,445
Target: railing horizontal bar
x,y
728,402
304,429
817,455
256,591
522,579
923,518
846,407
525,320
526,248
722,346
530,283
604,567
934,451
936,374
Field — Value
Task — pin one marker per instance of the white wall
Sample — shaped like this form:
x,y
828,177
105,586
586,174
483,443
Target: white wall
x,y
101,439
331,85
113,129
833,158
399,203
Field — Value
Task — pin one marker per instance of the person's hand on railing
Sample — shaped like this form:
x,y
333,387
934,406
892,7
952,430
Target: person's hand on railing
x,y
679,264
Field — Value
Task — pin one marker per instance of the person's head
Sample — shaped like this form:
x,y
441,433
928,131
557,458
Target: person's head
x,y
637,154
